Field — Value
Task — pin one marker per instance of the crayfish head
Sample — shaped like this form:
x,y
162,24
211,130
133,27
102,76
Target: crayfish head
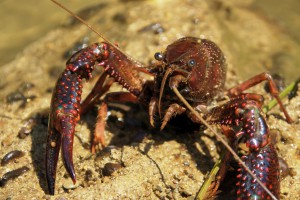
x,y
175,66
199,66
179,56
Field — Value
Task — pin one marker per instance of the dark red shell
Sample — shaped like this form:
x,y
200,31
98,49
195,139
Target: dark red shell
x,y
207,77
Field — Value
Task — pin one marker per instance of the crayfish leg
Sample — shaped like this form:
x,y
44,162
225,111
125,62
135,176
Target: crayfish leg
x,y
237,90
117,97
173,110
102,86
100,127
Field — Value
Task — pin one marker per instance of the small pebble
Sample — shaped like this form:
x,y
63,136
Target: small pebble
x,y
12,175
156,28
27,127
110,168
69,185
11,156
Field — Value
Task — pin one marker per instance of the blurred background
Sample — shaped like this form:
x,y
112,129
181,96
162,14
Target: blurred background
x,y
22,23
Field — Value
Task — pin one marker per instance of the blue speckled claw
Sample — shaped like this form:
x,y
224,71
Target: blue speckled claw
x,y
65,104
52,152
250,127
63,118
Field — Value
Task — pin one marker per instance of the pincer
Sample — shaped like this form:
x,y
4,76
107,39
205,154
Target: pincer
x,y
64,114
65,109
65,106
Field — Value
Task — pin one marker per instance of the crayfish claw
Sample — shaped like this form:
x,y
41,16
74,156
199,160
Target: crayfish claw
x,y
68,130
64,114
52,152
61,133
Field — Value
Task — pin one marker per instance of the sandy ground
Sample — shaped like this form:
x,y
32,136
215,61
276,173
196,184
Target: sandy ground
x,y
149,164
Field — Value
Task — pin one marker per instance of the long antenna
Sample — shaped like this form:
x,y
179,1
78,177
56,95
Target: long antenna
x,y
94,30
82,21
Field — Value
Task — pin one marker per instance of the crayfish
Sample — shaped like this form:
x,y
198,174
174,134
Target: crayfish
x,y
187,78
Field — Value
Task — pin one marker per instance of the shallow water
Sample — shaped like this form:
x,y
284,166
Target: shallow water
x,y
285,16
23,23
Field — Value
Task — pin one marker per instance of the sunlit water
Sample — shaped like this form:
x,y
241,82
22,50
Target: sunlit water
x,y
23,22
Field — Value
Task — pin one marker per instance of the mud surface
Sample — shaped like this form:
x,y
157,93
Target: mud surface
x,y
141,162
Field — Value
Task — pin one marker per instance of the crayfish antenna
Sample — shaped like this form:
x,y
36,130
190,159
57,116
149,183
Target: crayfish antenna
x,y
95,31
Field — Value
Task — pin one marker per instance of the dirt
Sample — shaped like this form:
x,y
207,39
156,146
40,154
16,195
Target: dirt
x,y
149,164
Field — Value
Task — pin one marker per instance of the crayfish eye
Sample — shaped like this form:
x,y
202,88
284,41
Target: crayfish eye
x,y
191,63
159,56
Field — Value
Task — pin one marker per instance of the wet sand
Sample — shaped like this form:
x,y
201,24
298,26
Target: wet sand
x,y
154,165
